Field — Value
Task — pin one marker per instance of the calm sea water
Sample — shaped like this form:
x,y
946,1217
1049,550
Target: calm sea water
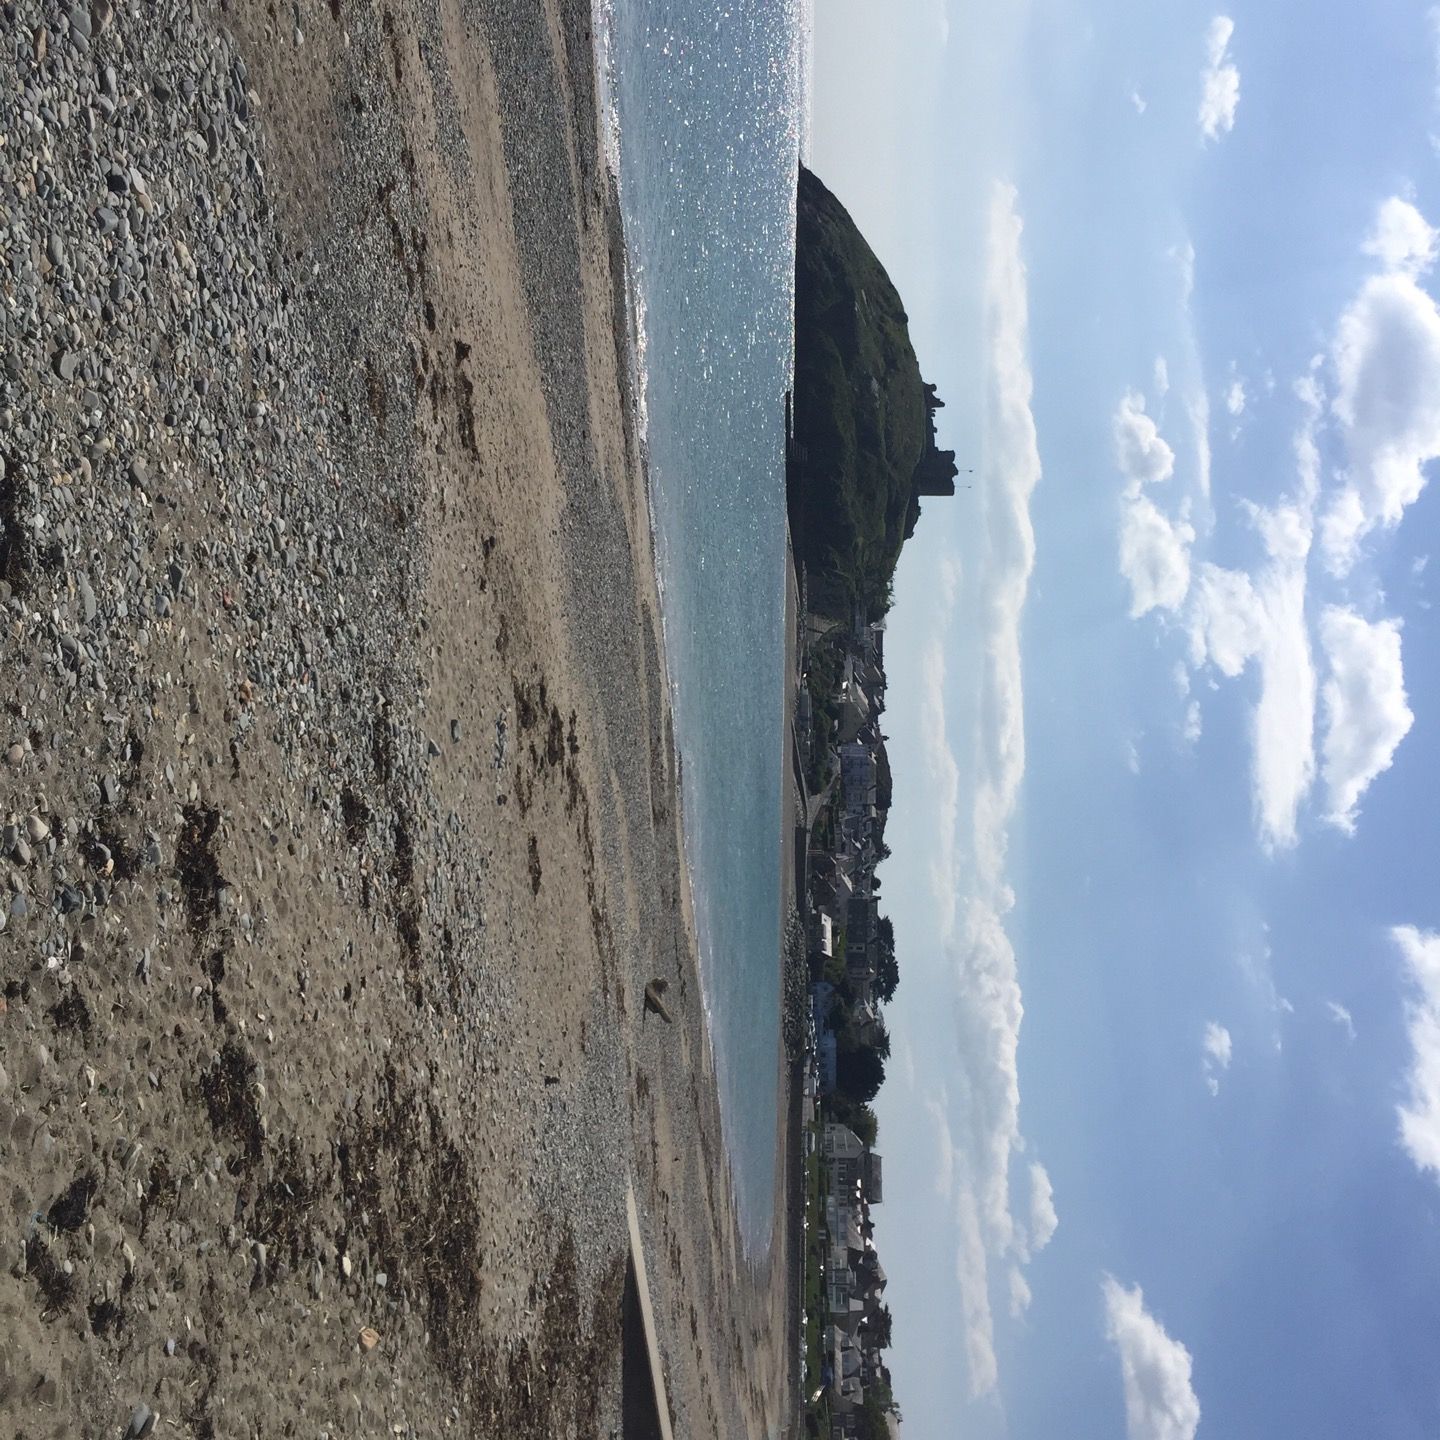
x,y
708,104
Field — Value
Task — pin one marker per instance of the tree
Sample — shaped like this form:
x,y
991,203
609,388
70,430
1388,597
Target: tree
x,y
859,1073
863,1122
887,967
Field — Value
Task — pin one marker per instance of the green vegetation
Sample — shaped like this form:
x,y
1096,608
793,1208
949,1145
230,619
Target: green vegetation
x,y
860,413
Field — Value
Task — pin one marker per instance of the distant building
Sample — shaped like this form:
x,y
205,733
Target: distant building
x,y
874,1179
825,1060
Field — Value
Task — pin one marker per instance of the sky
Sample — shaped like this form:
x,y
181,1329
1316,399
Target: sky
x,y
1162,1121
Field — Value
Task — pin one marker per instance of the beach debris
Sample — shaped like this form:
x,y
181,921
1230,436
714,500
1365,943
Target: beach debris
x,y
369,1338
653,991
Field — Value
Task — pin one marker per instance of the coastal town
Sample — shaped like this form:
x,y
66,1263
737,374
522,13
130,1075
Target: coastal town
x,y
851,972
845,946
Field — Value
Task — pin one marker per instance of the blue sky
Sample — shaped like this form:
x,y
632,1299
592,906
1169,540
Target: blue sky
x,y
1162,1128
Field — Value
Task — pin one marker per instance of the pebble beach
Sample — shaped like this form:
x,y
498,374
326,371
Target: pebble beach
x,y
340,820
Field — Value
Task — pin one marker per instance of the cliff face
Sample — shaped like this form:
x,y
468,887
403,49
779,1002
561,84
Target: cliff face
x,y
864,435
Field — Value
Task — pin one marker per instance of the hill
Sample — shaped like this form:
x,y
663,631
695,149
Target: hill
x,y
863,450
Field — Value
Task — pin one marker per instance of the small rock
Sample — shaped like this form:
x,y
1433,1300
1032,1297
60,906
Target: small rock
x,y
142,1422
432,748
37,830
19,907
170,1346
67,362
15,756
109,790
455,731
369,1338
382,1280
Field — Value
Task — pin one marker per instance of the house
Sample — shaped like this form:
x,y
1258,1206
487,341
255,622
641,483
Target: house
x,y
826,1059
827,934
873,1179
842,1143
858,774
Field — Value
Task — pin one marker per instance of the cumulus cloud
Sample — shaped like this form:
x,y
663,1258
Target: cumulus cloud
x,y
1235,398
1402,239
1219,81
1154,556
1162,376
984,1109
1386,359
1160,1400
1217,1049
1144,457
1043,1219
1235,618
1367,714
1140,103
1420,1113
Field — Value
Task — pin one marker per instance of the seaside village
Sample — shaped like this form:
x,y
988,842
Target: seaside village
x,y
851,971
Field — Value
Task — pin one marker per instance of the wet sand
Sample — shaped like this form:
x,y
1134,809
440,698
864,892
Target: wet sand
x,y
342,830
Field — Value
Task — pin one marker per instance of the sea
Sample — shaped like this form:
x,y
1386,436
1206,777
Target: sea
x,y
706,110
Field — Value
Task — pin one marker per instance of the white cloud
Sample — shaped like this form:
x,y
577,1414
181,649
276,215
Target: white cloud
x,y
1219,81
937,1106
1162,376
941,768
1140,103
1144,457
1342,1017
1193,726
1402,239
1367,714
1154,556
1132,757
1235,397
1160,1401
1386,357
1227,619
1235,617
1019,1293
977,1323
1198,409
1043,1219
1217,1049
984,1111
1256,965
1420,1113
